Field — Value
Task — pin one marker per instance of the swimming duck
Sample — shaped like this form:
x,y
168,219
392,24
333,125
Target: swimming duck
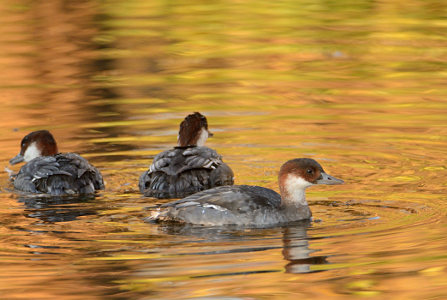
x,y
188,168
251,205
50,172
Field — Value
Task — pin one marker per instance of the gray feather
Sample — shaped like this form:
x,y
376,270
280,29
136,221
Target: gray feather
x,y
61,174
239,205
182,171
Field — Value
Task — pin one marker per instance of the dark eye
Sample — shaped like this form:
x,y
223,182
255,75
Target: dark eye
x,y
309,171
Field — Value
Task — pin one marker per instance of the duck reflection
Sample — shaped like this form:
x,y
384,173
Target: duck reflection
x,y
297,252
295,242
57,209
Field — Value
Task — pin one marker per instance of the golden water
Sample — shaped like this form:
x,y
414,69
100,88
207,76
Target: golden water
x,y
358,85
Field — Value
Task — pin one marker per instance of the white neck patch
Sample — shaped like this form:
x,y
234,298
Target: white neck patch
x,y
31,152
202,137
296,189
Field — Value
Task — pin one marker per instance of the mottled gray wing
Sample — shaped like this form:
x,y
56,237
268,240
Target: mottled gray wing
x,y
42,167
237,198
80,168
162,160
178,160
35,170
202,157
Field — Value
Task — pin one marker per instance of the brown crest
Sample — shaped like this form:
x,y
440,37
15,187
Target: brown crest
x,y
190,129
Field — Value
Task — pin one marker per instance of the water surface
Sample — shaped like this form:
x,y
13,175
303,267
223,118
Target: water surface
x,y
359,86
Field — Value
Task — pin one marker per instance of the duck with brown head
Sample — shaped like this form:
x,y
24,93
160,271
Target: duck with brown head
x,y
49,172
251,205
188,168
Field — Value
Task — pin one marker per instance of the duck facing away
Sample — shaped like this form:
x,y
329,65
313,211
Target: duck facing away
x,y
188,168
49,172
251,205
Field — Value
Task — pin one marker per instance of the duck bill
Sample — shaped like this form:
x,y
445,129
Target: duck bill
x,y
210,134
17,159
328,179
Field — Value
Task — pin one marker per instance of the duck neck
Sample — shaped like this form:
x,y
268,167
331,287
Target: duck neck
x,y
298,198
293,191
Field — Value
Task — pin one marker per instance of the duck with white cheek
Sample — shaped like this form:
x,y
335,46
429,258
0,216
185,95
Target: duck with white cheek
x,y
49,172
188,168
251,205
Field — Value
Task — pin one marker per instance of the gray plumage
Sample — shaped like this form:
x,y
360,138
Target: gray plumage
x,y
61,174
182,171
238,205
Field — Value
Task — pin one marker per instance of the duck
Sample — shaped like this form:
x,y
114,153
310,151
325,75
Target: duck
x,y
247,205
188,168
49,172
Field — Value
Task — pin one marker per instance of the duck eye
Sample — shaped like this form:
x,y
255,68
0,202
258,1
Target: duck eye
x,y
309,171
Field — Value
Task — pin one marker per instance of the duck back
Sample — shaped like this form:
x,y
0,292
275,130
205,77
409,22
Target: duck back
x,y
183,171
61,174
